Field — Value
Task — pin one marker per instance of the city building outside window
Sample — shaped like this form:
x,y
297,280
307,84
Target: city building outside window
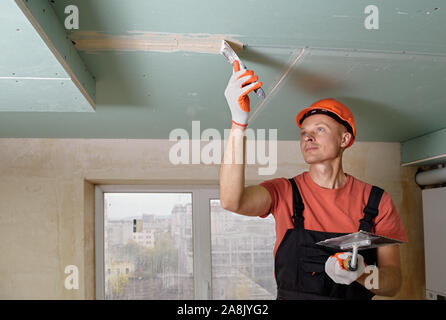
x,y
150,240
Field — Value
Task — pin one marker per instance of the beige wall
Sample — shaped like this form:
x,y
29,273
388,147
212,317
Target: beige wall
x,y
47,201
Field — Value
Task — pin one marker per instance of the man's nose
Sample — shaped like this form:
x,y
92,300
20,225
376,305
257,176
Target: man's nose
x,y
309,137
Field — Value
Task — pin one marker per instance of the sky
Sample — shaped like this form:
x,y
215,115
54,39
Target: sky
x,y
125,205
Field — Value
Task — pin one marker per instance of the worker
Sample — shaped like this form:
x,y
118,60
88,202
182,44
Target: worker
x,y
315,205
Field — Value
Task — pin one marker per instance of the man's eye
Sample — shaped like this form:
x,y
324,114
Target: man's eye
x,y
320,129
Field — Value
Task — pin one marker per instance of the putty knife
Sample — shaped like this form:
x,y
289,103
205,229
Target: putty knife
x,y
357,241
231,56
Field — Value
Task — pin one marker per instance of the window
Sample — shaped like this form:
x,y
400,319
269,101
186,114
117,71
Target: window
x,y
178,243
242,255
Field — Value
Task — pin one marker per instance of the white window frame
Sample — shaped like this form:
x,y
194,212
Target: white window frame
x,y
201,231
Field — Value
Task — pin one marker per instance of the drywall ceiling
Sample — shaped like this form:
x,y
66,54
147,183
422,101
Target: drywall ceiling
x,y
157,68
38,73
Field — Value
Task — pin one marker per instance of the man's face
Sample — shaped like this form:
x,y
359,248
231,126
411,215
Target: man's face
x,y
322,139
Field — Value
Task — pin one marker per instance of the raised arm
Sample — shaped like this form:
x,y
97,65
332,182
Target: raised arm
x,y
234,196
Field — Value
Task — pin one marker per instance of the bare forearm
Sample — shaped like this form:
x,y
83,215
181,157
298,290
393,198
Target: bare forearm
x,y
389,281
232,169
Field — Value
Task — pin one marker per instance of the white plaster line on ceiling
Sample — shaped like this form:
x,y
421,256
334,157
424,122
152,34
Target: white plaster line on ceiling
x,y
34,78
423,160
270,93
91,41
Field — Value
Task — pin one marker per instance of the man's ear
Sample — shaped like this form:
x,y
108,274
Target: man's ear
x,y
346,137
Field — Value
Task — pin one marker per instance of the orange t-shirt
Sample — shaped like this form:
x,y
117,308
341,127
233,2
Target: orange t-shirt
x,y
330,210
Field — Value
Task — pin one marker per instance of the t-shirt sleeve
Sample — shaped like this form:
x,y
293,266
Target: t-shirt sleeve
x,y
273,186
388,222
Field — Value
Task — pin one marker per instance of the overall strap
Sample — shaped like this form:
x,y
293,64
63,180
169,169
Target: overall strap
x,y
371,209
298,205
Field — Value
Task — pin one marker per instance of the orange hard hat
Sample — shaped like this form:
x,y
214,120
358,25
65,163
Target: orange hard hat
x,y
333,108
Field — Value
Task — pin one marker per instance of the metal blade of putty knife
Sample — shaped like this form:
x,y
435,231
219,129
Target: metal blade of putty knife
x,y
357,241
231,56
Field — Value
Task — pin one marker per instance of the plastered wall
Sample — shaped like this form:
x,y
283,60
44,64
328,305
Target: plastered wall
x,y
47,203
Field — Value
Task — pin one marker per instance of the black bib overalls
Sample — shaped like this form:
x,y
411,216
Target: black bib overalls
x,y
300,263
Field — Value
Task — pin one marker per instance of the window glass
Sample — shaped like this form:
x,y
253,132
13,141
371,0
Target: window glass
x,y
242,255
148,243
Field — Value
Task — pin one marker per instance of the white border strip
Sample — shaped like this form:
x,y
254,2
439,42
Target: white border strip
x,y
99,242
424,160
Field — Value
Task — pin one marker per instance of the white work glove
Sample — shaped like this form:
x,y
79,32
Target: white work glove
x,y
335,269
240,84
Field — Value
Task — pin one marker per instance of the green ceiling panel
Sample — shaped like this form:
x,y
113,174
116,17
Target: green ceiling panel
x,y
44,19
403,25
393,96
24,53
32,77
44,95
429,149
392,78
